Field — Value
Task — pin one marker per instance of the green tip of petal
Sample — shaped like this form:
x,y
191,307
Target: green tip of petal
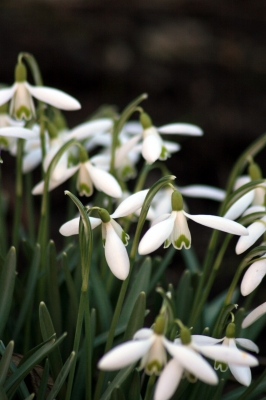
x,y
23,112
153,367
177,201
125,238
84,190
20,73
164,154
220,366
182,241
145,120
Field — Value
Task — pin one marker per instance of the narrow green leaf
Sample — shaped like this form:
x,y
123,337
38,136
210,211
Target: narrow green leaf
x,y
139,284
7,283
158,270
44,381
29,290
136,319
47,330
73,298
5,362
134,387
117,381
117,394
30,397
61,377
14,380
3,395
184,297
53,288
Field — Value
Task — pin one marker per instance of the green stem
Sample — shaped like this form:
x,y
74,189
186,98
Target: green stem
x,y
235,279
19,191
3,236
30,208
88,347
150,387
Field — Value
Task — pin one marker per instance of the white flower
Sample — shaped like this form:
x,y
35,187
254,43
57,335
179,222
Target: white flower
x,y
255,231
253,276
254,315
21,93
228,355
173,228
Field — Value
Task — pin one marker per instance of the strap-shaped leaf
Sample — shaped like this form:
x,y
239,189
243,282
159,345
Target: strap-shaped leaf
x,y
137,316
53,288
7,283
61,377
119,378
5,362
44,381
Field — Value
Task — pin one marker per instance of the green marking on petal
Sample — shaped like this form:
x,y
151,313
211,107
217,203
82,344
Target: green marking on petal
x,y
164,154
218,365
23,112
3,141
84,190
103,241
153,367
166,243
191,378
127,172
182,241
125,238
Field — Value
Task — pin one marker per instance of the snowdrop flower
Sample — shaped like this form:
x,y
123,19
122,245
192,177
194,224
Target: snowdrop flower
x,y
21,93
253,276
255,231
173,228
254,315
240,365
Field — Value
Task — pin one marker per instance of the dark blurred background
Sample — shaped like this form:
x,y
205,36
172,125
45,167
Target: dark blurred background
x,y
201,61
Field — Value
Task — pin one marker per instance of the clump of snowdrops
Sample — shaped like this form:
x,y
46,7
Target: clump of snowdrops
x,y
80,321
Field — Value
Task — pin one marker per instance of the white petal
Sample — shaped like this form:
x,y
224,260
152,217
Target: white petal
x,y
220,223
90,128
156,236
124,354
123,151
38,189
72,227
104,181
254,315
228,355
239,206
55,97
255,230
181,128
171,147
144,333
241,374
254,209
203,192
31,160
18,132
168,380
6,94
151,146
241,180
253,277
116,253
247,344
130,204
192,362
202,340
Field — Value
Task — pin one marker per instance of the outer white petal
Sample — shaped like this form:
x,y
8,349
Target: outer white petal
x,y
90,128
172,147
254,209
182,129
31,160
192,362
202,340
239,206
202,191
55,97
229,355
255,230
144,333
220,223
241,374
104,181
124,354
253,276
18,132
168,380
151,146
156,235
116,253
38,189
241,180
254,315
130,204
6,94
72,227
122,152
247,344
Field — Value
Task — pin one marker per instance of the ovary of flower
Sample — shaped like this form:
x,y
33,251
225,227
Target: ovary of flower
x,y
21,93
253,276
255,231
238,361
173,228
